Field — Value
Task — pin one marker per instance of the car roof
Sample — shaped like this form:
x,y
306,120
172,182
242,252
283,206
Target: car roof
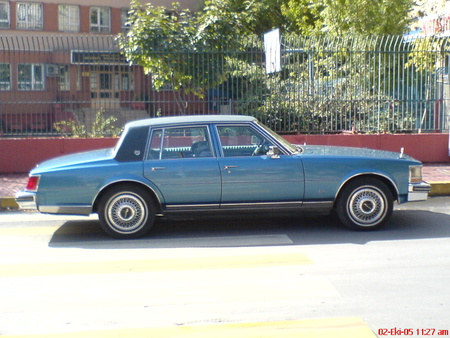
x,y
156,121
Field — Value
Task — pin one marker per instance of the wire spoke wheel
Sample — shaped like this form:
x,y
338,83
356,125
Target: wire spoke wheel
x,y
126,212
365,204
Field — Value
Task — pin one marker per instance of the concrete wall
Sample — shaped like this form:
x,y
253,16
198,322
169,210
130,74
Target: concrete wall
x,y
21,155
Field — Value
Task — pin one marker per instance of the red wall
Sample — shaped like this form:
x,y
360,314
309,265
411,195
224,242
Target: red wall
x,y
21,155
424,147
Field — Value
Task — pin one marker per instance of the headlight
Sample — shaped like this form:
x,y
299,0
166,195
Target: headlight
x,y
415,174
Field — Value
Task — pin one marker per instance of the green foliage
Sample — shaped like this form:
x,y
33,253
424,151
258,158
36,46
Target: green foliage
x,y
169,43
317,89
101,127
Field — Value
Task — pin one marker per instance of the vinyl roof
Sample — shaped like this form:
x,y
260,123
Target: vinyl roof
x,y
190,119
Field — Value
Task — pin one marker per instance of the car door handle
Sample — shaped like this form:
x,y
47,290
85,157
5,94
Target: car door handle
x,y
227,167
158,168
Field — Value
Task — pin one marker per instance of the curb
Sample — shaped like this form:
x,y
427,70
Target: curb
x,y
440,189
437,189
7,203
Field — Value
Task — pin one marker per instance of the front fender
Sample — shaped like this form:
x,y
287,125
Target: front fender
x,y
390,181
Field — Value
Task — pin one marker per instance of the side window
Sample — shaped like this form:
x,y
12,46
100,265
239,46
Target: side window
x,y
186,142
242,141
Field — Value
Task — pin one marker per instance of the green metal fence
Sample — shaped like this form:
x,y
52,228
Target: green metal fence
x,y
83,86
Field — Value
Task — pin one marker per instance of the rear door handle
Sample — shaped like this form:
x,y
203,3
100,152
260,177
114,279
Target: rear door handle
x,y
158,168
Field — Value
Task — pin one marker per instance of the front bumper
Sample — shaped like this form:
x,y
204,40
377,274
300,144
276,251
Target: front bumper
x,y
418,191
26,200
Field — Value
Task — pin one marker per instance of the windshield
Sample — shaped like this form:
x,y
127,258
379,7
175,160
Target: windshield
x,y
289,146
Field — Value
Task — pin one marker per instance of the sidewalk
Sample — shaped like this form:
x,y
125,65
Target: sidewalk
x,y
438,175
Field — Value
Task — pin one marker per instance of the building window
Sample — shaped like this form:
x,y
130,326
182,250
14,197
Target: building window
x,y
68,18
100,19
5,76
30,76
4,14
124,20
29,16
64,78
127,81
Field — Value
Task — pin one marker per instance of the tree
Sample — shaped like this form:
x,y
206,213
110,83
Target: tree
x,y
364,17
168,43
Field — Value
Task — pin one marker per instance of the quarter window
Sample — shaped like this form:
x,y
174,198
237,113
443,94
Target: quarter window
x,y
4,14
100,19
68,18
30,76
30,16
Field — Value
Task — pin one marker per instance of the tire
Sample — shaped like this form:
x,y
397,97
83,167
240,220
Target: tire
x,y
126,211
365,204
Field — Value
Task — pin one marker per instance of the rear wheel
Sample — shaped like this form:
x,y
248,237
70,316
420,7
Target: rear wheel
x,y
365,204
126,211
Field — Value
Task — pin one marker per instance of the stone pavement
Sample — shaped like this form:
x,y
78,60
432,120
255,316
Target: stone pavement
x,y
438,175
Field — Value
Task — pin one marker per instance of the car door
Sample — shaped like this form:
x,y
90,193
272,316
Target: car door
x,y
251,176
181,163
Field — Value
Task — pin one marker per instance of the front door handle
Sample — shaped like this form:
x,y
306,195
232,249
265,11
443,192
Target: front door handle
x,y
158,168
228,167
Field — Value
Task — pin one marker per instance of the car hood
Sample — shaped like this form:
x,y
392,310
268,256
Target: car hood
x,y
352,152
76,159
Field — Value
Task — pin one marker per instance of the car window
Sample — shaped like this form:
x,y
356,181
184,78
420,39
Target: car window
x,y
185,142
242,141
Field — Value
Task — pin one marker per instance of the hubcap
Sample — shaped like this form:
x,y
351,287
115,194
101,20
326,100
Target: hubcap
x,y
367,206
127,212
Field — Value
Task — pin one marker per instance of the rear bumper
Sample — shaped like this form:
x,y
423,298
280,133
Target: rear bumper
x,y
26,200
418,191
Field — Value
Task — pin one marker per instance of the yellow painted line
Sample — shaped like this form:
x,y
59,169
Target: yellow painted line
x,y
148,265
351,327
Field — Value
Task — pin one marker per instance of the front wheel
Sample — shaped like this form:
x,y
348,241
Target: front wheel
x,y
365,204
126,211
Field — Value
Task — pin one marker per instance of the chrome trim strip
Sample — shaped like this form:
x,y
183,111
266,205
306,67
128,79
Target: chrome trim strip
x,y
66,209
192,206
310,206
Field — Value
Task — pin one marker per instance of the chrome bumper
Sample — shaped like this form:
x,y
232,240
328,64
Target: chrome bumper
x,y
418,191
26,200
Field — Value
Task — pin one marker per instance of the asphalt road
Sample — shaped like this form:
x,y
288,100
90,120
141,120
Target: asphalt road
x,y
243,277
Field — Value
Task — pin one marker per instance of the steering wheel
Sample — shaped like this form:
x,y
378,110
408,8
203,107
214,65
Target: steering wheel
x,y
261,149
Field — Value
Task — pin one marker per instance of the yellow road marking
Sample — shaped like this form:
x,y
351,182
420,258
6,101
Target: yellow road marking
x,y
147,265
314,328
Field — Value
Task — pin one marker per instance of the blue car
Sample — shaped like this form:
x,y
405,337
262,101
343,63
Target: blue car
x,y
203,164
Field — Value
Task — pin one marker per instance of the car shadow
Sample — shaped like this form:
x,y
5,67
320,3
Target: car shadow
x,y
248,230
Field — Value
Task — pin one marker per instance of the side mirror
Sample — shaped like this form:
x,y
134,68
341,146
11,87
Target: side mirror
x,y
274,152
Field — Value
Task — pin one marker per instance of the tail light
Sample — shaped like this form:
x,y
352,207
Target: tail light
x,y
33,183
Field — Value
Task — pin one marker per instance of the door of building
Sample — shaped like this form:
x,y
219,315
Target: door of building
x,y
105,88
